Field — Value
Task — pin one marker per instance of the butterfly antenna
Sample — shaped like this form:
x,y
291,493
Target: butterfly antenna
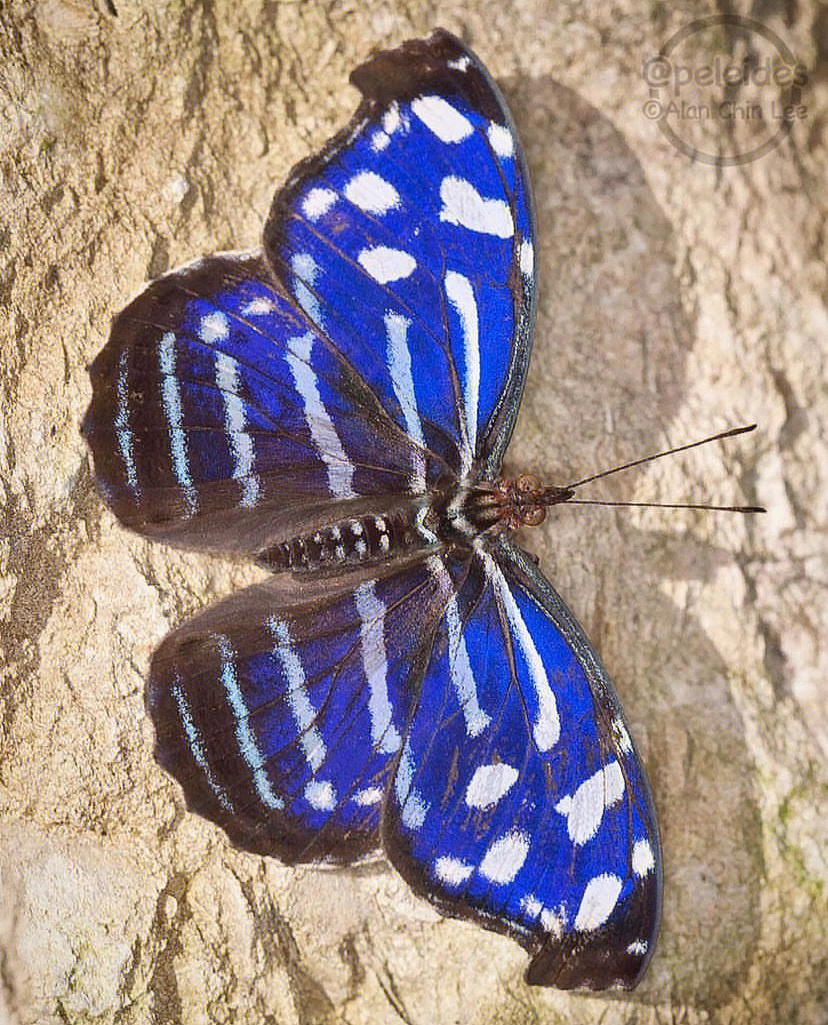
x,y
671,505
659,455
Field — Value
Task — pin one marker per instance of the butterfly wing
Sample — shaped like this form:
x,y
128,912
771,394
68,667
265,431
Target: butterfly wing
x,y
409,241
226,416
518,799
281,714
221,419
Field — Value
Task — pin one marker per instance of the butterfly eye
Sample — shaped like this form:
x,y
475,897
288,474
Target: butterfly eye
x,y
534,515
528,484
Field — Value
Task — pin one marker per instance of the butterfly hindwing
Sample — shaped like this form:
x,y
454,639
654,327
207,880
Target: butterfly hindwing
x,y
519,800
281,714
409,241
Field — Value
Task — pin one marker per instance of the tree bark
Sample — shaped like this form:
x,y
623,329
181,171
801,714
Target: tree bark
x,y
677,298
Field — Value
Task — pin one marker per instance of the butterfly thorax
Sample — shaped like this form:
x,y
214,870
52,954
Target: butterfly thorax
x,y
485,507
452,516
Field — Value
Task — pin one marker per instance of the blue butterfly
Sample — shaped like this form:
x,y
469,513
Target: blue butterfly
x,y
337,407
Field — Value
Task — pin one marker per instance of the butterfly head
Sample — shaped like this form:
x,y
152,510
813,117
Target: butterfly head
x,y
507,504
526,499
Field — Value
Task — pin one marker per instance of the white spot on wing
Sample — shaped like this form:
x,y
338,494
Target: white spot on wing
x,y
584,810
320,795
526,256
306,273
317,203
460,63
370,795
500,139
531,906
340,469
122,427
553,922
385,264
235,422
442,119
637,947
546,729
303,712
622,736
643,860
462,676
248,748
196,746
384,735
214,327
171,401
391,120
505,858
597,904
399,368
258,307
463,205
452,871
489,783
305,266
460,294
371,193
413,809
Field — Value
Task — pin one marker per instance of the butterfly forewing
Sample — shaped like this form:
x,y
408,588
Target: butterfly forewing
x,y
409,241
518,799
221,419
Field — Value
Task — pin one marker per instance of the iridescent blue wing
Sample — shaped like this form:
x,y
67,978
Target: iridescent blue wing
x,y
409,242
518,799
281,714
221,419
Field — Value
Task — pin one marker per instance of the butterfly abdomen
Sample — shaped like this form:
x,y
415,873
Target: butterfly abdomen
x,y
356,541
455,516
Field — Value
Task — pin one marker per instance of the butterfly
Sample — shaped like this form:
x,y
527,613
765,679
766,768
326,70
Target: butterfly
x,y
336,407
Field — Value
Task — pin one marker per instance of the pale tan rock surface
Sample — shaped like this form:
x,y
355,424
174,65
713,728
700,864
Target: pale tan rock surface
x,y
677,299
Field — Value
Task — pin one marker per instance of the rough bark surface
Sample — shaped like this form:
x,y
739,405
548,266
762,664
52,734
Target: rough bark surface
x,y
677,299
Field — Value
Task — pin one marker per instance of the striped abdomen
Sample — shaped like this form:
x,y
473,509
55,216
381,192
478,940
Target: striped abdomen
x,y
356,541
